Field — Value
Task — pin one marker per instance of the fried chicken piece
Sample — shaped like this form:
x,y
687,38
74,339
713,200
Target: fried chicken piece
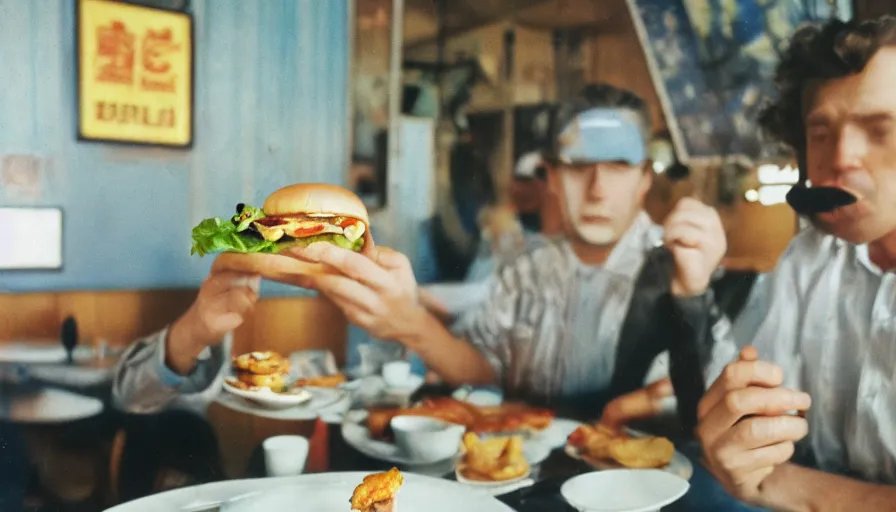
x,y
642,452
376,492
445,409
325,381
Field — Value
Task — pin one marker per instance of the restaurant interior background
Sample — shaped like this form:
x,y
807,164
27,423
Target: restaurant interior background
x,y
373,94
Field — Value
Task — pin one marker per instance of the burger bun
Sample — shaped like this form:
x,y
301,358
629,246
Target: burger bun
x,y
315,198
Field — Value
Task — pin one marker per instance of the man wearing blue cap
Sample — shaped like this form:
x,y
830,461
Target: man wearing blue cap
x,y
579,320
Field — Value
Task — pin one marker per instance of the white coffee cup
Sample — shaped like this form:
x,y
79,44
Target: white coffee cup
x,y
285,455
396,373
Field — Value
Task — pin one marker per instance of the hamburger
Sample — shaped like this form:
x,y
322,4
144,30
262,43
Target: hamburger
x,y
294,216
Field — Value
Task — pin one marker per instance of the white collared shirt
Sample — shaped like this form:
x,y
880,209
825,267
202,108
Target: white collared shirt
x,y
827,316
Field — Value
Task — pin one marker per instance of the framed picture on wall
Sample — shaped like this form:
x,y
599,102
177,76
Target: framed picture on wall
x,y
712,64
135,74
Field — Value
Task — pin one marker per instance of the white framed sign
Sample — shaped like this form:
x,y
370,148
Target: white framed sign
x,y
30,238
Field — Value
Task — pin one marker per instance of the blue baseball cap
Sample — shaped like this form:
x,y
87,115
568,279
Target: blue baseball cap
x,y
602,135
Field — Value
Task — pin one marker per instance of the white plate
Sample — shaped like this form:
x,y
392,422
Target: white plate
x,y
356,434
679,466
623,490
269,399
324,401
333,494
303,498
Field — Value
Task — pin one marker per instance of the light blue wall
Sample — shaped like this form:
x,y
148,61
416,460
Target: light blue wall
x,y
270,110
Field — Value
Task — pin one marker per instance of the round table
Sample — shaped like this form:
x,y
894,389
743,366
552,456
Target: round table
x,y
45,405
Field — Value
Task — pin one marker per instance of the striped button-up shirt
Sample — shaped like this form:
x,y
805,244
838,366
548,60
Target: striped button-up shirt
x,y
144,384
827,316
551,325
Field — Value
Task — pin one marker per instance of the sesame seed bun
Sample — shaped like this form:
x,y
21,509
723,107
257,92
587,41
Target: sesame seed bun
x,y
315,198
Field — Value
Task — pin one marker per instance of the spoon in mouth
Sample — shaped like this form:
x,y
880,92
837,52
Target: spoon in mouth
x,y
809,201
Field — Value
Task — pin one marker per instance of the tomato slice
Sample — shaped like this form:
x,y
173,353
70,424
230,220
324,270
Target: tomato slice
x,y
307,231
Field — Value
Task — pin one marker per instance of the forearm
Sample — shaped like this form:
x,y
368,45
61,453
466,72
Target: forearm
x,y
433,305
455,360
642,404
144,382
795,488
184,344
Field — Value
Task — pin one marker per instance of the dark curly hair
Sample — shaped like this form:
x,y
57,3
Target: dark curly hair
x,y
596,95
834,49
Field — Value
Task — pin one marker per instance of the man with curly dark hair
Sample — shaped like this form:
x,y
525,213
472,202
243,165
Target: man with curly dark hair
x,y
819,332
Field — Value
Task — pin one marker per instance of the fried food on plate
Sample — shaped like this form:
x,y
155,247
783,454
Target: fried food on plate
x,y
259,370
325,381
600,443
512,418
492,420
642,452
376,493
493,459
261,363
445,409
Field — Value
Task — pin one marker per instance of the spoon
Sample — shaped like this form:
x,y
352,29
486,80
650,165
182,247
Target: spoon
x,y
809,201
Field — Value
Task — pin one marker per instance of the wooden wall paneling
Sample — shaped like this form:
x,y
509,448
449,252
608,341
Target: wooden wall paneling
x,y
283,324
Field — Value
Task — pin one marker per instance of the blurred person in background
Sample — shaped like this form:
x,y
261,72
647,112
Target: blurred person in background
x,y
818,331
581,319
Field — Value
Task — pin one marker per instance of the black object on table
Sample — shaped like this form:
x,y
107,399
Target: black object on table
x,y
69,337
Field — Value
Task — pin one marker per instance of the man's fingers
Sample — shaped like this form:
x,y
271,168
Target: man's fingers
x,y
760,431
745,462
369,249
219,282
350,263
347,293
232,305
686,235
737,375
749,353
748,402
391,259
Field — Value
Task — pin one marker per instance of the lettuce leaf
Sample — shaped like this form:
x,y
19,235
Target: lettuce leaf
x,y
217,235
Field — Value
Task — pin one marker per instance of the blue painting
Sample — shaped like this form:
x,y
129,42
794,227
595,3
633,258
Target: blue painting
x,y
713,61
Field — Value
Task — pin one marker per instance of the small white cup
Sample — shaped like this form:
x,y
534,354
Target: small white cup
x,y
285,455
396,373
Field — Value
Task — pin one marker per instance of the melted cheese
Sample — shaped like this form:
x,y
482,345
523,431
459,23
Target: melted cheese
x,y
354,231
271,234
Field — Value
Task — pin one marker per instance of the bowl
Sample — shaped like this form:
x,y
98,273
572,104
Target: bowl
x,y
427,440
624,490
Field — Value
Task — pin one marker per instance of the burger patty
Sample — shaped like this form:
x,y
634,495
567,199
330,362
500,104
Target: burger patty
x,y
275,228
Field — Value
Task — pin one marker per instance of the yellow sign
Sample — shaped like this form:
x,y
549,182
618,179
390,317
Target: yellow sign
x,y
135,74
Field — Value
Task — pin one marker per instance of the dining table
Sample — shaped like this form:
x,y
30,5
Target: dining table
x,y
549,475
